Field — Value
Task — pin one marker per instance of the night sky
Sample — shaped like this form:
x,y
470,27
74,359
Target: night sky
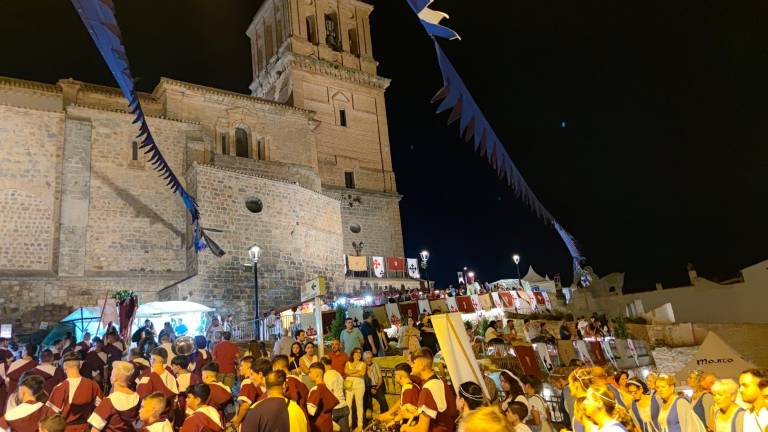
x,y
661,160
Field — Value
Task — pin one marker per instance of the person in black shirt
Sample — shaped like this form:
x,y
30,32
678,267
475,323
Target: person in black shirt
x,y
428,336
370,337
565,332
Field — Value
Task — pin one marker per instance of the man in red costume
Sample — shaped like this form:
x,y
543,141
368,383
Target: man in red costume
x,y
76,397
157,378
204,418
120,410
26,363
436,400
49,371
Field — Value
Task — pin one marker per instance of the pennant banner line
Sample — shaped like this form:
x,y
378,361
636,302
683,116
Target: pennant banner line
x,y
473,126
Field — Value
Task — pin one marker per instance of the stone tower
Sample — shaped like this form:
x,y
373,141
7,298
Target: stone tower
x,y
316,55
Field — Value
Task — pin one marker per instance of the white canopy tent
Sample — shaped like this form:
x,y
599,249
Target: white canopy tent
x,y
192,314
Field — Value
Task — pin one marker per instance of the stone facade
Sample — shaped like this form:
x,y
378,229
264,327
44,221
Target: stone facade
x,y
83,214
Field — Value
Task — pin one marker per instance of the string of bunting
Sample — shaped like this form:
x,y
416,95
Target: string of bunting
x,y
473,126
99,19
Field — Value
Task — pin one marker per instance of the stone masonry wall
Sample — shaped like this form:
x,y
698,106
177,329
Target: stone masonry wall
x,y
30,152
298,230
378,216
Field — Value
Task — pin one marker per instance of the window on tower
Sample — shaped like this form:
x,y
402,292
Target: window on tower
x,y
354,43
135,151
332,32
343,118
241,142
223,139
349,179
311,30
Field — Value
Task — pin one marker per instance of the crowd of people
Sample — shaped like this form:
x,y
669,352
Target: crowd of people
x,y
105,385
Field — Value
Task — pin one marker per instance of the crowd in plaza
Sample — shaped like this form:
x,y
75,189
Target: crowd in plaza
x,y
145,385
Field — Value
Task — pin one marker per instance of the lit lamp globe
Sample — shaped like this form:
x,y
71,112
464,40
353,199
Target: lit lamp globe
x,y
253,253
424,255
516,258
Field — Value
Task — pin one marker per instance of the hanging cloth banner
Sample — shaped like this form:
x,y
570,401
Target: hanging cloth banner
x,y
527,358
596,352
541,350
395,264
465,304
539,298
608,352
358,263
410,309
413,268
566,351
486,302
547,303
473,126
476,302
460,275
393,314
378,266
581,348
98,16
424,307
633,351
496,300
453,306
509,299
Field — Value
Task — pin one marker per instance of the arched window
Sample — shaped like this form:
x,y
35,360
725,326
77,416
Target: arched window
x,y
241,143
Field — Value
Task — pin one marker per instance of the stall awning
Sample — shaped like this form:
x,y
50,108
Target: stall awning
x,y
148,310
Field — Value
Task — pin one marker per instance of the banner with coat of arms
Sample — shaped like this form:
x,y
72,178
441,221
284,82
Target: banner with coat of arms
x,y
413,268
357,263
378,266
395,264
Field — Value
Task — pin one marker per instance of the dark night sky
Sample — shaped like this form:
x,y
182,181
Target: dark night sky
x,y
661,163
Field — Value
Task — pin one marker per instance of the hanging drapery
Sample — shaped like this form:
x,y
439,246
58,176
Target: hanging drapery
x,y
474,126
99,19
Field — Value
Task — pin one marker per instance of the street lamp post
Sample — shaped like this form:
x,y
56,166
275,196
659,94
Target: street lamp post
x,y
424,255
516,259
253,253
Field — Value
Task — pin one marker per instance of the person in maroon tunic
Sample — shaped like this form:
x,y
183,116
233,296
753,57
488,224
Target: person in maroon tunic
x,y
185,379
295,390
113,348
76,397
159,379
84,345
26,416
204,418
140,365
405,408
220,395
151,414
49,371
252,387
95,363
436,400
320,402
120,410
201,357
26,363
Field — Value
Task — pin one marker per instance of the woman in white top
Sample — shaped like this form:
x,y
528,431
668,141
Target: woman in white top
x,y
354,384
409,336
513,391
306,361
601,407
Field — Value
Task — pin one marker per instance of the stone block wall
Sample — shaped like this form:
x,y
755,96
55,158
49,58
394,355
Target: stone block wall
x,y
298,230
378,216
304,176
30,155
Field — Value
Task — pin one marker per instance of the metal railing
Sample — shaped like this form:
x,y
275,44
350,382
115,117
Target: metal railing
x,y
269,328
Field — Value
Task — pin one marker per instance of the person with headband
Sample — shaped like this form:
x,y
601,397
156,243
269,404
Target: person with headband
x,y
485,419
120,410
25,416
643,409
579,382
727,416
469,398
601,406
702,401
676,414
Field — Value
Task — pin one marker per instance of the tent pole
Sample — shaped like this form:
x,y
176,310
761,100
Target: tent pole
x,y
101,315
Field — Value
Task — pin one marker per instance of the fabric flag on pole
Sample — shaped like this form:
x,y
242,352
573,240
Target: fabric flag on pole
x,y
357,263
424,307
378,266
457,351
393,314
395,264
413,268
109,309
461,277
453,306
496,300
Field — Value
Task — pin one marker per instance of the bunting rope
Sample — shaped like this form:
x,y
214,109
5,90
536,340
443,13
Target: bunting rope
x,y
473,126
98,16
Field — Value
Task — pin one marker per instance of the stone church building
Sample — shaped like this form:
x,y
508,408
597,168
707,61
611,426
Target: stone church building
x,y
300,167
